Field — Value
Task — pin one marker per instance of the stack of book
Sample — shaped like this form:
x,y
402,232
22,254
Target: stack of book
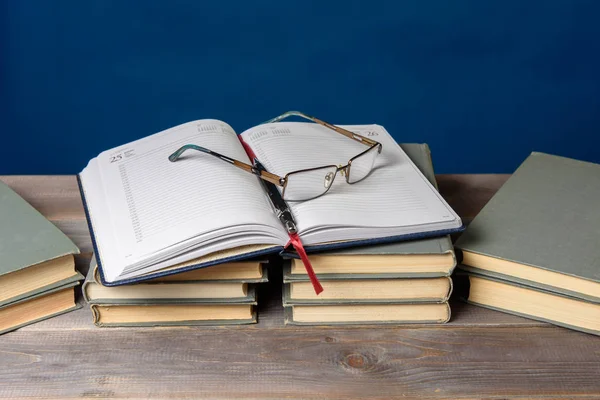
x,y
221,295
382,284
37,267
406,282
534,249
154,211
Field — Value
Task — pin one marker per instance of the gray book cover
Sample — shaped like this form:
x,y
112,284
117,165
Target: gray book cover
x,y
26,236
420,154
288,315
547,215
55,289
465,275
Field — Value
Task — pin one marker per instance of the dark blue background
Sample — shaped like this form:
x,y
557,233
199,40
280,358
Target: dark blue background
x,y
483,82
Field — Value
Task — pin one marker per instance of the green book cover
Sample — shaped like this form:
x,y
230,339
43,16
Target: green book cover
x,y
545,216
420,154
69,284
543,303
26,236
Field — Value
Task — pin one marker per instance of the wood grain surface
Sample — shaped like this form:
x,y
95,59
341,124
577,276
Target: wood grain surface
x,y
479,354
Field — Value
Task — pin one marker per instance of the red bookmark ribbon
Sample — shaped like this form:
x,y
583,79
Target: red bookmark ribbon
x,y
248,150
297,244
294,238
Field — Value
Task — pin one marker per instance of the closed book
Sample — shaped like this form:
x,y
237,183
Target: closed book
x,y
541,229
369,291
34,254
530,302
242,293
432,257
166,293
173,291
183,314
68,282
247,271
38,307
367,314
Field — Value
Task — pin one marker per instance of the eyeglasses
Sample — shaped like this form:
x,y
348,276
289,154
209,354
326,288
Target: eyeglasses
x,y
307,184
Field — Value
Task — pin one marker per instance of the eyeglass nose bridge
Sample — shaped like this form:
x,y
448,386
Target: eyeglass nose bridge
x,y
344,170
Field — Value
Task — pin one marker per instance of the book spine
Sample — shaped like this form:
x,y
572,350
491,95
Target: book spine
x,y
84,290
450,289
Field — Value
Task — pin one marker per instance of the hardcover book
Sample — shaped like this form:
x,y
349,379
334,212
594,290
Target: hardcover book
x,y
247,271
35,256
39,306
432,257
150,216
367,291
129,315
367,314
172,293
534,303
186,288
541,228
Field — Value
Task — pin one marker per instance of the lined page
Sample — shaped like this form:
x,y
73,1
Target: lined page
x,y
394,199
154,204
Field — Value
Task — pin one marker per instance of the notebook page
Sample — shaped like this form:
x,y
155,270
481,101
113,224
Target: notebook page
x,y
394,199
154,204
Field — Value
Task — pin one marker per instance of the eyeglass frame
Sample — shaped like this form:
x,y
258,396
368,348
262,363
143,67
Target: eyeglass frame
x,y
282,181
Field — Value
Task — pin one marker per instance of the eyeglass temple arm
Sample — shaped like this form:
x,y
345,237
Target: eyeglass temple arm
x,y
342,131
267,176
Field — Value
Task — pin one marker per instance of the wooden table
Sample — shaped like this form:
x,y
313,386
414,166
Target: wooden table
x,y
480,353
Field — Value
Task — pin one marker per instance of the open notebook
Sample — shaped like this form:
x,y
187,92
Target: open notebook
x,y
150,217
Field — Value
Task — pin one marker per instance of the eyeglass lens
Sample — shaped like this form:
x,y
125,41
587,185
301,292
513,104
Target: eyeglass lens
x,y
361,165
308,184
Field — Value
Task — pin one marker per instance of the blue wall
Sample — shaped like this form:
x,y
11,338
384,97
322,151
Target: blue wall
x,y
483,82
